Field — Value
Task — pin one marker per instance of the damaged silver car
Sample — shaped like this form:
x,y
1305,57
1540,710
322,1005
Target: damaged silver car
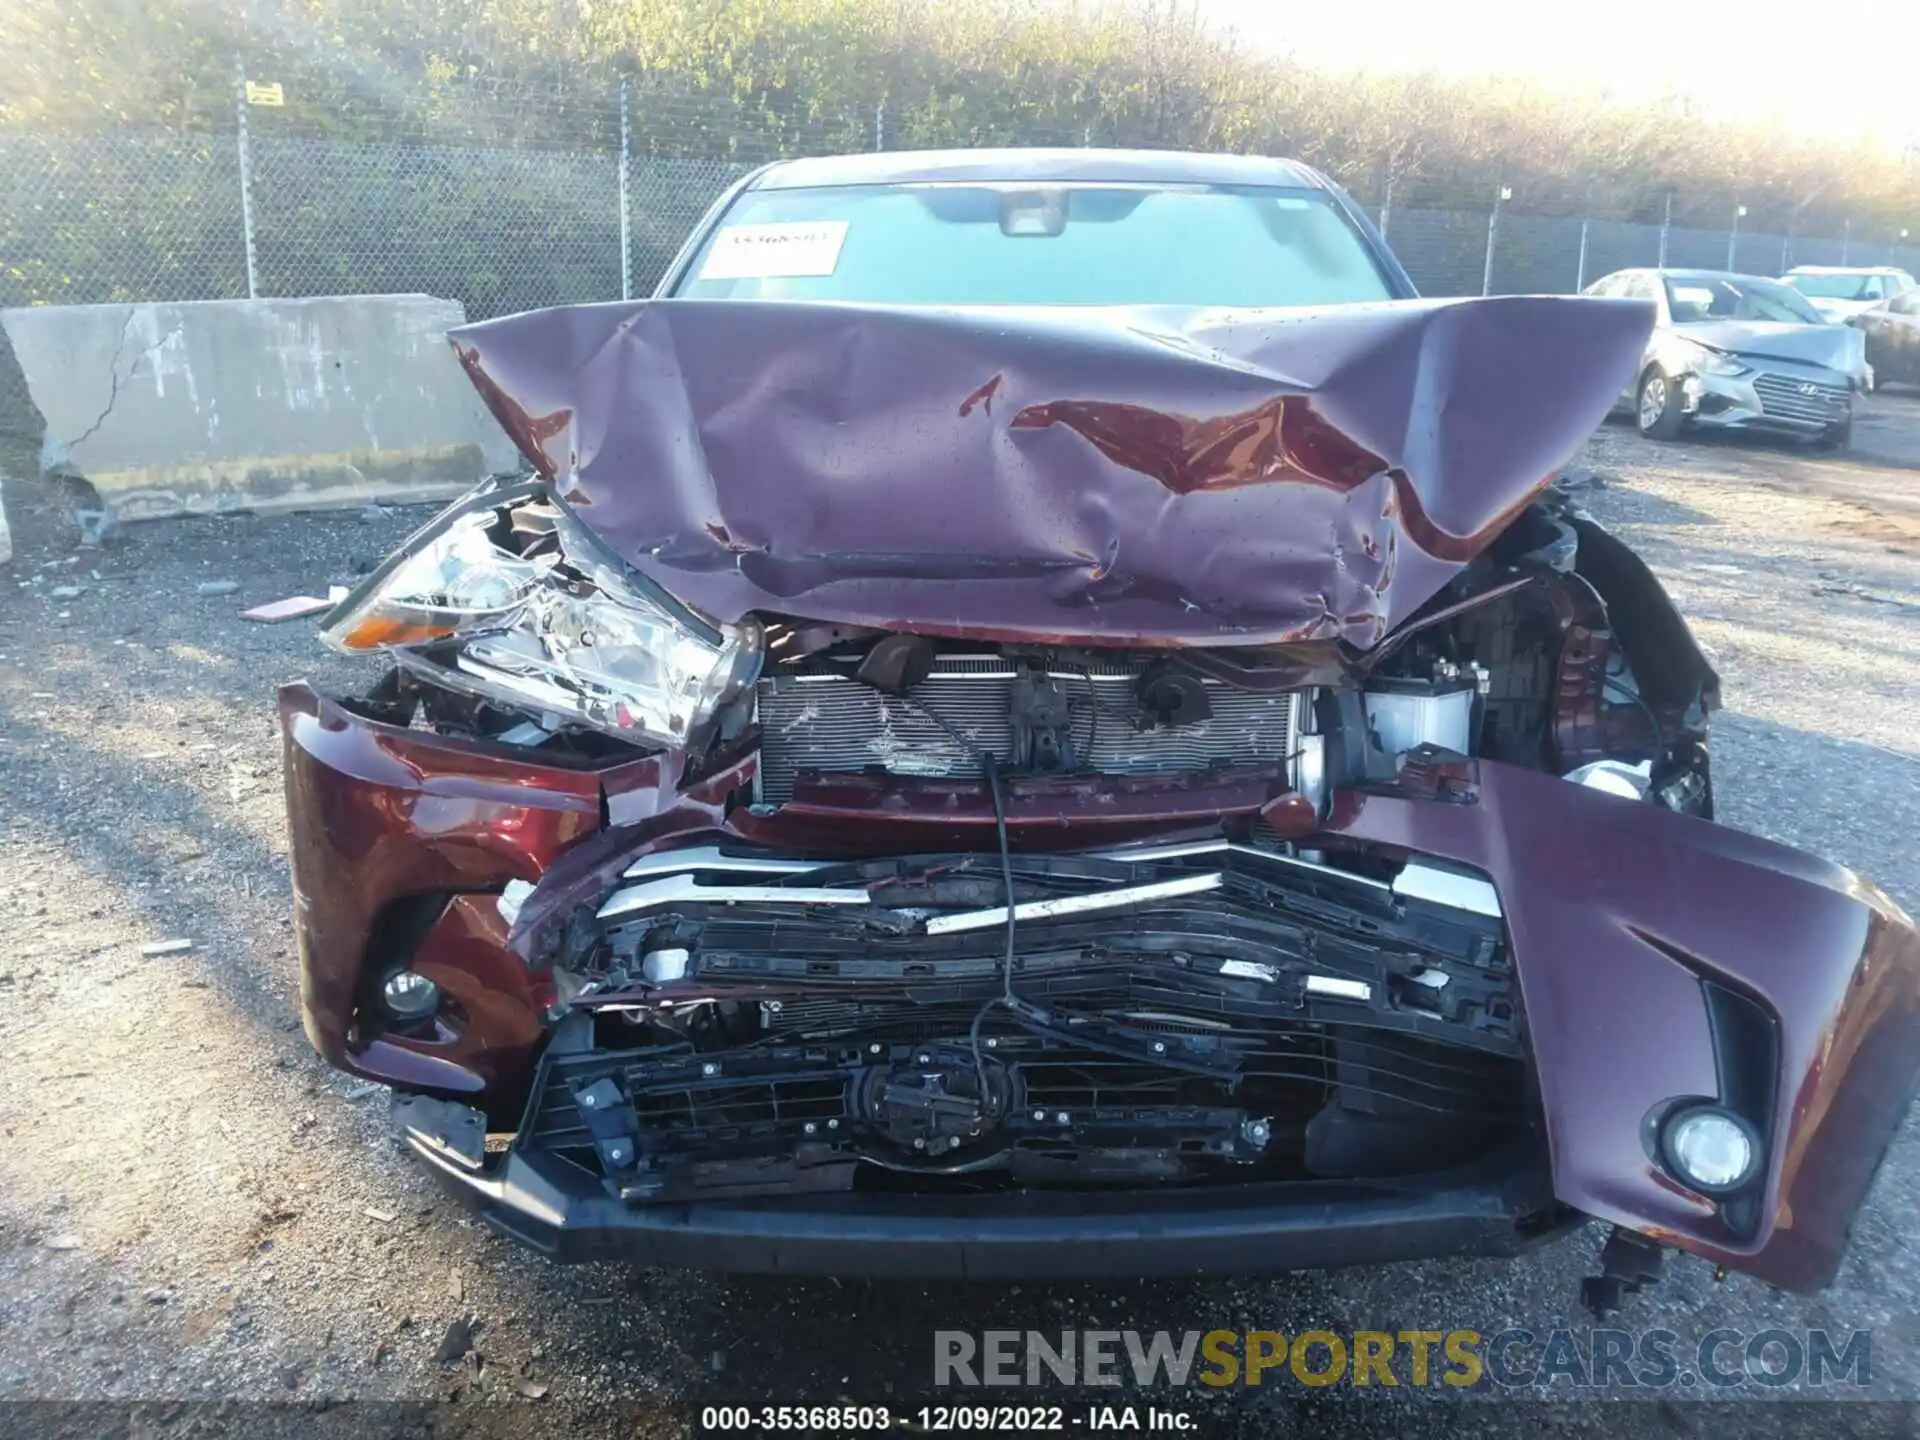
x,y
1738,352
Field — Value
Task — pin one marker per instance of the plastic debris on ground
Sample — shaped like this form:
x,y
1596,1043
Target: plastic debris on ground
x,y
295,606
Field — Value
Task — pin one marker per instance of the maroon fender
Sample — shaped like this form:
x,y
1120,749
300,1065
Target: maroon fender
x,y
1617,912
379,815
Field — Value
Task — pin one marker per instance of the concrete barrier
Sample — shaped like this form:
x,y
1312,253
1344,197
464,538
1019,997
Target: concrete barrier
x,y
205,406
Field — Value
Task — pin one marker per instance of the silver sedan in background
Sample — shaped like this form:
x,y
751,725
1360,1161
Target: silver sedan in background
x,y
1739,352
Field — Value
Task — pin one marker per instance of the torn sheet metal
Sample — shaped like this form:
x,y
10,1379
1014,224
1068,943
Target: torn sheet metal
x,y
1158,476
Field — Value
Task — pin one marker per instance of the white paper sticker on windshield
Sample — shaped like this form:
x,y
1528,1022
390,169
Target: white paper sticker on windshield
x,y
788,250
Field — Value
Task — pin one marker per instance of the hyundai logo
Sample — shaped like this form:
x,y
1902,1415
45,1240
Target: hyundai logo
x,y
1807,389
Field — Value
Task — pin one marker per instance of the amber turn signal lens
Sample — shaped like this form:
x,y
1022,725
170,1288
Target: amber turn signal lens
x,y
378,630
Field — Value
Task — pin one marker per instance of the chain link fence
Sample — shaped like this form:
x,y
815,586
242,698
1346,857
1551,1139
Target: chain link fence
x,y
502,230
590,201
86,219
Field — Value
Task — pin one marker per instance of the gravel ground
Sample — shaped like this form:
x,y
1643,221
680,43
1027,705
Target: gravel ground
x,y
194,1211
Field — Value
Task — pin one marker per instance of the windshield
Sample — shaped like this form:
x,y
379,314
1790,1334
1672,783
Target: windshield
x,y
1694,298
1837,287
1036,244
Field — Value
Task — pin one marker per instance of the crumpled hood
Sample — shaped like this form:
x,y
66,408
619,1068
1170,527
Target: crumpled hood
x,y
1139,476
1835,346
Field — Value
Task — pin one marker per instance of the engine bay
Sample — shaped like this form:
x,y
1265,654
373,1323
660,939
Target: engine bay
x,y
1554,649
1037,712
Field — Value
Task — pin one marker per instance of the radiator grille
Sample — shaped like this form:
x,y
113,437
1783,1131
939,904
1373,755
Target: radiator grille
x,y
821,719
1784,398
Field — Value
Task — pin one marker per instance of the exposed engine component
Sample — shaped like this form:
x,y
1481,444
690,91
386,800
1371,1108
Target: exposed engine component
x,y
1170,696
1039,726
896,663
1106,715
1404,714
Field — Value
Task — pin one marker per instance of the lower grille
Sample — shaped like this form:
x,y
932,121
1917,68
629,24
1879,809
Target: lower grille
x,y
791,1118
822,719
1202,1013
1803,401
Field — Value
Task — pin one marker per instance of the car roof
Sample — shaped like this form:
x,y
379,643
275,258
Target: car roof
x,y
1672,273
907,167
1846,270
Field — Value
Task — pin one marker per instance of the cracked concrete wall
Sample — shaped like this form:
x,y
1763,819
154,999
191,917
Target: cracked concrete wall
x,y
20,429
203,406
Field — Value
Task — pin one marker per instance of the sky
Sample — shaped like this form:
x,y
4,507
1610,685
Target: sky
x,y
1845,68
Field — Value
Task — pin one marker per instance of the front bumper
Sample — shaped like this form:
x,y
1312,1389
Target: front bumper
x,y
1619,915
399,841
1786,400
1498,1208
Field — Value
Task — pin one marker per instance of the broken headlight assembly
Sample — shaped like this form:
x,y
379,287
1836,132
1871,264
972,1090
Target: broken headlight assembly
x,y
506,597
1709,361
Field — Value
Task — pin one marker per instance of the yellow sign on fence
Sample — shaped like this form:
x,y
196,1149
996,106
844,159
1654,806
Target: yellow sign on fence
x,y
265,93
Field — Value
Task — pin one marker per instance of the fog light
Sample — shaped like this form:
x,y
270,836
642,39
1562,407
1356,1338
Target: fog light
x,y
409,995
1711,1150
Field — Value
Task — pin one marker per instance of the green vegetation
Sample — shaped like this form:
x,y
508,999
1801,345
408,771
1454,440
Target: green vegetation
x,y
747,78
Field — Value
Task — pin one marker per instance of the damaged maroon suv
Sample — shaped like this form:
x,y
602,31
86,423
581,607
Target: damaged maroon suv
x,y
1037,713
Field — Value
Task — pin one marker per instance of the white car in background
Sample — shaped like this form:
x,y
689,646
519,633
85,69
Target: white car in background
x,y
1840,292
